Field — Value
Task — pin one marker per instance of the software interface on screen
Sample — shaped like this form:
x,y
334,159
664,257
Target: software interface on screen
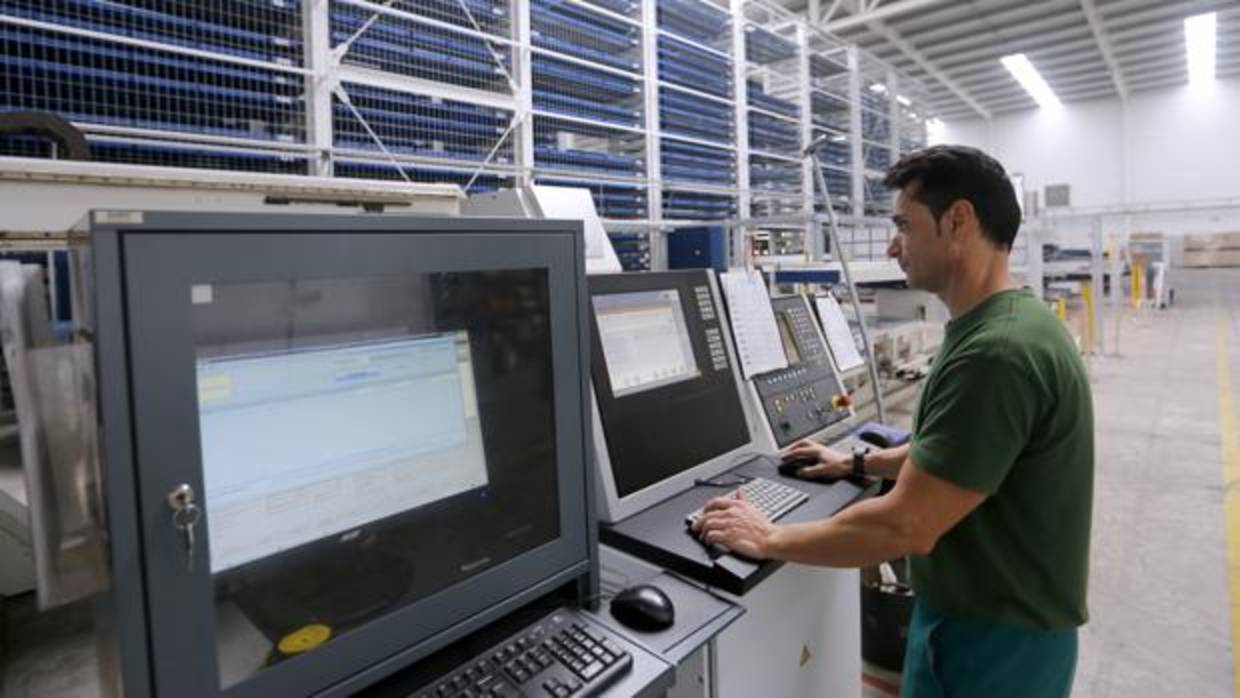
x,y
300,445
645,340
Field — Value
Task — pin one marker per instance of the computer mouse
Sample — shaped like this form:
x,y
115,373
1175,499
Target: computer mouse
x,y
790,467
874,438
644,608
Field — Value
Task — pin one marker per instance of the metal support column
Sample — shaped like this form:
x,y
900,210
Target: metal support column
x,y
1034,274
316,55
654,162
811,241
1095,270
523,134
854,128
893,115
740,96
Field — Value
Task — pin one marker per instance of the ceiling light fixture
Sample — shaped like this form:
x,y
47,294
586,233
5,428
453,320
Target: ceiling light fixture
x,y
1199,41
904,100
1029,78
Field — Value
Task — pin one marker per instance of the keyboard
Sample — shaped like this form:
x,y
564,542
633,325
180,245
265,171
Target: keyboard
x,y
771,498
557,657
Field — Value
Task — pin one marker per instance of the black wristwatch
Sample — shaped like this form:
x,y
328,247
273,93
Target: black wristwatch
x,y
858,463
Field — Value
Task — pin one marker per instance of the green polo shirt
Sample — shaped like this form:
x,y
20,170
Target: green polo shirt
x,y
1006,410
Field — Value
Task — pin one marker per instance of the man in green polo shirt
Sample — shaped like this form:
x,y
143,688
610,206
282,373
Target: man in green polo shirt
x,y
993,495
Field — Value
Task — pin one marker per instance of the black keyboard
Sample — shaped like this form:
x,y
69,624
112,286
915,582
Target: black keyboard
x,y
559,656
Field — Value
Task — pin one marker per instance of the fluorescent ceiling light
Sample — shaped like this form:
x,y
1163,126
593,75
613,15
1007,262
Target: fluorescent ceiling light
x,y
904,100
878,88
1199,40
1030,79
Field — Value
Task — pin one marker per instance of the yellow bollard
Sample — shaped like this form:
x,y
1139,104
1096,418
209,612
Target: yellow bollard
x,y
1138,284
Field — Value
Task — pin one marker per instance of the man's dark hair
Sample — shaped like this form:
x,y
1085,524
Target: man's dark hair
x,y
944,174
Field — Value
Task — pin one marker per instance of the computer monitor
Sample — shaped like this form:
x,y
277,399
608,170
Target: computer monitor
x,y
381,423
666,386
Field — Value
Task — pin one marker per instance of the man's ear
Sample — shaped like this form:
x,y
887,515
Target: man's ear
x,y
960,218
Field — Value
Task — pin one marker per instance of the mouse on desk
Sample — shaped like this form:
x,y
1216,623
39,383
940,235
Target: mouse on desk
x,y
874,438
644,608
792,466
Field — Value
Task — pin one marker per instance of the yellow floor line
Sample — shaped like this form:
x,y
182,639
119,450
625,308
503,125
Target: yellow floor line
x,y
1231,485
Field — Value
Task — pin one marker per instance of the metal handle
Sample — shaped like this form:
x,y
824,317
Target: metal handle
x,y
185,515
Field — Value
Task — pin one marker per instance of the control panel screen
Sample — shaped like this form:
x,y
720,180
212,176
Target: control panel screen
x,y
645,340
787,337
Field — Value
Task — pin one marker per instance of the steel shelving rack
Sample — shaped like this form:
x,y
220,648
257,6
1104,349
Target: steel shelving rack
x,y
671,112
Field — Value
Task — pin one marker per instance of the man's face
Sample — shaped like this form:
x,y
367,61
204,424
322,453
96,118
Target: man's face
x,y
919,244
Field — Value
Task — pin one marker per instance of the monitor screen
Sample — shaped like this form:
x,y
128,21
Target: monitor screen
x,y
401,431
367,442
645,340
668,398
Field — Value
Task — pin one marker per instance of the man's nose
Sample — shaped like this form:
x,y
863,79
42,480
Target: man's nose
x,y
893,247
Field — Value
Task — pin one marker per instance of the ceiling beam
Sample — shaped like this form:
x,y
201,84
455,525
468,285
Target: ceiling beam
x,y
1171,12
949,22
993,26
1177,72
1037,49
1159,28
1136,52
881,12
997,75
1104,45
878,27
1082,60
1021,100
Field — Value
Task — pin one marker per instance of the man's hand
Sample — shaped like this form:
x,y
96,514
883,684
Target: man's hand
x,y
832,464
737,525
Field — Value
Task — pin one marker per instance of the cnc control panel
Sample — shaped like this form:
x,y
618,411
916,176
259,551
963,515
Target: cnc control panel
x,y
807,396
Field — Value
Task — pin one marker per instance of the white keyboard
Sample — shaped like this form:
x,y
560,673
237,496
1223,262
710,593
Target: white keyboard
x,y
770,497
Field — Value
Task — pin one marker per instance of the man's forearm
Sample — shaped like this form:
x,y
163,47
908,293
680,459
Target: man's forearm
x,y
865,534
886,463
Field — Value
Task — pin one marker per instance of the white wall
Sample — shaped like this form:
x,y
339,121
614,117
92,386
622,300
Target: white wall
x,y
1175,145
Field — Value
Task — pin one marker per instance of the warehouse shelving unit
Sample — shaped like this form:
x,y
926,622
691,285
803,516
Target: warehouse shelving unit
x,y
671,112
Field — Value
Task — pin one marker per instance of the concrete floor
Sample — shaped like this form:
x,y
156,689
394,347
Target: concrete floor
x,y
1158,596
1158,590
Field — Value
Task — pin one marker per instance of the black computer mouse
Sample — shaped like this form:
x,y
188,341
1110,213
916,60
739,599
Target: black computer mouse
x,y
874,438
644,608
790,467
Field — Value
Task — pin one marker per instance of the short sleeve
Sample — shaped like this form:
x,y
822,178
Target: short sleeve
x,y
976,420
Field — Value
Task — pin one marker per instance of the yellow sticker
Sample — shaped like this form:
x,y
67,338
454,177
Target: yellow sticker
x,y
307,638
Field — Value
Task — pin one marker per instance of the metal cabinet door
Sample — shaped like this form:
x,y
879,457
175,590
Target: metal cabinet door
x,y
200,642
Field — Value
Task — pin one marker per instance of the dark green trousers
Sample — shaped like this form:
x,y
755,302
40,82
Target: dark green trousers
x,y
954,658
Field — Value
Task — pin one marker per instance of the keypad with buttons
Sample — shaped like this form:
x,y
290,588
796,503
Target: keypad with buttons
x,y
557,657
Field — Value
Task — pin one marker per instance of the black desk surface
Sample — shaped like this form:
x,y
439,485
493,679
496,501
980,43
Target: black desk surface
x,y
658,534
700,614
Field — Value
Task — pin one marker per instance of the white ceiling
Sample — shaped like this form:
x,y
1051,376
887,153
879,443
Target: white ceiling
x,y
954,46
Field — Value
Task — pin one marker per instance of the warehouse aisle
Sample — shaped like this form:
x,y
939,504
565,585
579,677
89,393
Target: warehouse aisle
x,y
1159,596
